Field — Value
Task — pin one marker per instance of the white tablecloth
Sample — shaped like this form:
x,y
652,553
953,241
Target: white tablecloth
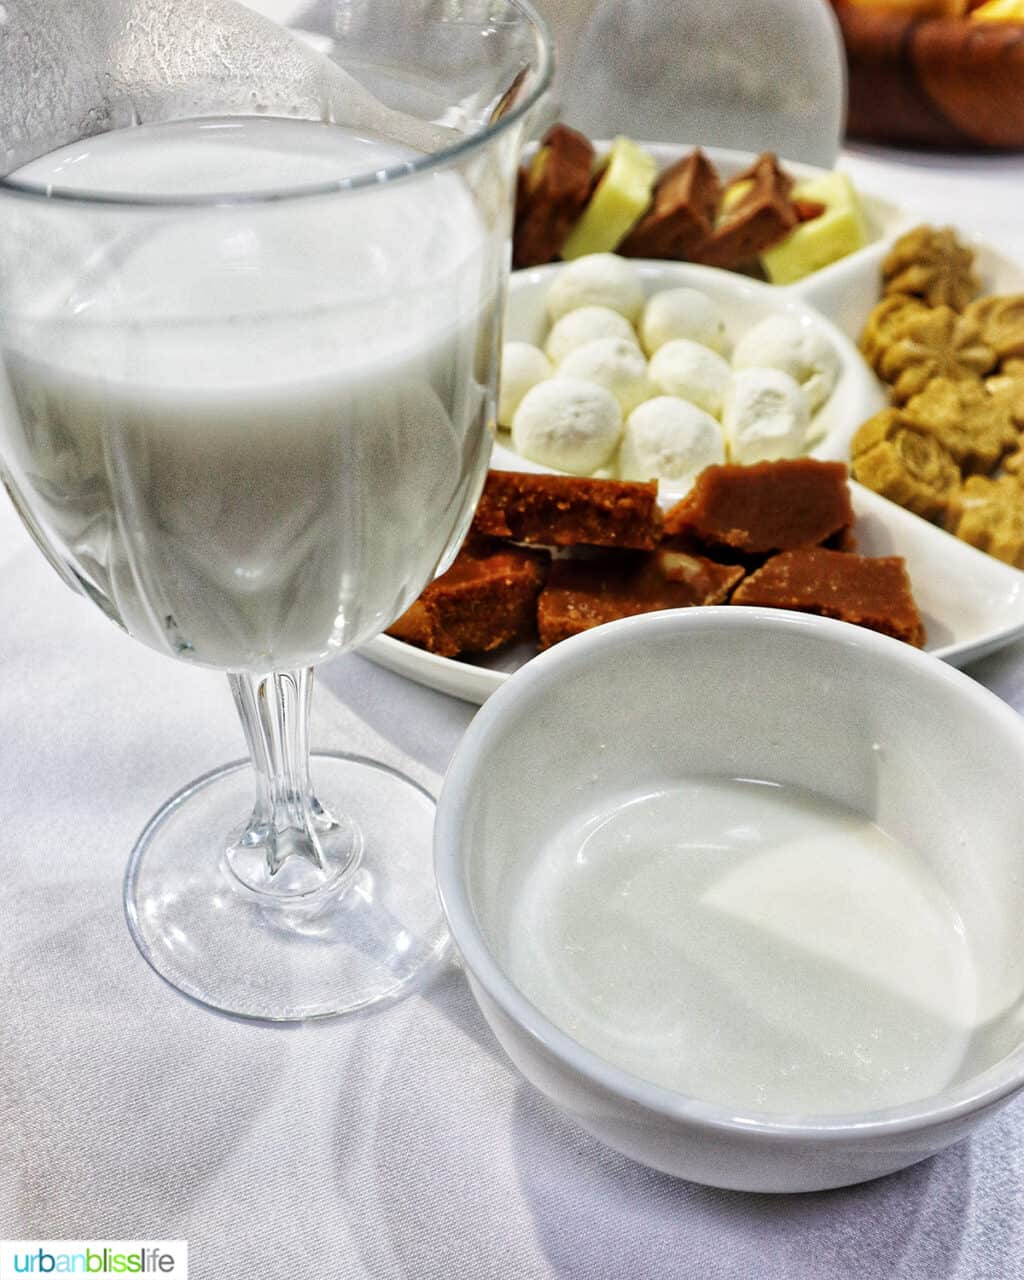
x,y
399,1144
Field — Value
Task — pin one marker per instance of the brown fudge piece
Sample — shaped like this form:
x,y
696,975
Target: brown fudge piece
x,y
766,507
581,594
551,195
568,511
682,212
486,599
844,540
763,216
872,592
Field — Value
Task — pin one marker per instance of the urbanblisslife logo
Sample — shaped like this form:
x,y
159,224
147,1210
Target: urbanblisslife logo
x,y
154,1258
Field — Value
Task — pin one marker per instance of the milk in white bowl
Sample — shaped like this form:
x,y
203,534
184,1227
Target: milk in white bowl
x,y
749,944
251,429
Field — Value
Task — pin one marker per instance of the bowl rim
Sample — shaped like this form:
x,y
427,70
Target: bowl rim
x,y
985,1090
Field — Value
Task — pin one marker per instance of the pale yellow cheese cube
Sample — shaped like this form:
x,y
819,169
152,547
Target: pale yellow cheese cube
x,y
621,197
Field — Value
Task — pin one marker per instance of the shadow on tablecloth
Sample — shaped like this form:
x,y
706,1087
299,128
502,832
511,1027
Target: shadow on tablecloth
x,y
116,1111
464,1172
602,1217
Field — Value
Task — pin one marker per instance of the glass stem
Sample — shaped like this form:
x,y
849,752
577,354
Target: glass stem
x,y
291,846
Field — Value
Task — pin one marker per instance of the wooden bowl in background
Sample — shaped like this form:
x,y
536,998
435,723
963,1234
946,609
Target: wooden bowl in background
x,y
936,82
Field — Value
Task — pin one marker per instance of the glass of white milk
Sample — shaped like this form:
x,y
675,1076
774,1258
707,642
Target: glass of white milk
x,y
249,313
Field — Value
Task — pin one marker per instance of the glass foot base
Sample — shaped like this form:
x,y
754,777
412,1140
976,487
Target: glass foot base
x,y
373,938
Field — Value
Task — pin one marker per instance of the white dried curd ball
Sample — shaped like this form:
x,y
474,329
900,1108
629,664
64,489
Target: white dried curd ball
x,y
692,372
669,439
683,313
766,416
801,350
568,424
584,325
522,367
597,280
613,363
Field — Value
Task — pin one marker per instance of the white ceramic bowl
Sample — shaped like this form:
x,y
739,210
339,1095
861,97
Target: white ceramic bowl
x,y
743,302
866,721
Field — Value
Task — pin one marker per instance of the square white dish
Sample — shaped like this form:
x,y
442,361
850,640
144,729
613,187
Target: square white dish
x,y
972,604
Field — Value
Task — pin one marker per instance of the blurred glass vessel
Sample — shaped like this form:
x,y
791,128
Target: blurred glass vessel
x,y
753,75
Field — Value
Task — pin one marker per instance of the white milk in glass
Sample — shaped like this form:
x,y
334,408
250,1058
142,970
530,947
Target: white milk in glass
x,y
748,944
251,430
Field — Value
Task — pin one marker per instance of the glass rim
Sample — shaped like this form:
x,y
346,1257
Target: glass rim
x,y
459,149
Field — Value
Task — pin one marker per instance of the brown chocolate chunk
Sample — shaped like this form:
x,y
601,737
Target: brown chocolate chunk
x,y
764,508
568,511
682,212
761,217
581,594
486,599
808,210
871,592
551,196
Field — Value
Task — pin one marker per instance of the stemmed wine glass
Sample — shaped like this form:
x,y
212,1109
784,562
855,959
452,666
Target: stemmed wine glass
x,y
249,333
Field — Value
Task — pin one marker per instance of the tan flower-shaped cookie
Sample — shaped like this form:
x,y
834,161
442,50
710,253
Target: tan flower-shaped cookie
x,y
1001,319
975,424
1010,388
885,323
1009,391
1013,463
892,456
931,263
989,514
938,344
